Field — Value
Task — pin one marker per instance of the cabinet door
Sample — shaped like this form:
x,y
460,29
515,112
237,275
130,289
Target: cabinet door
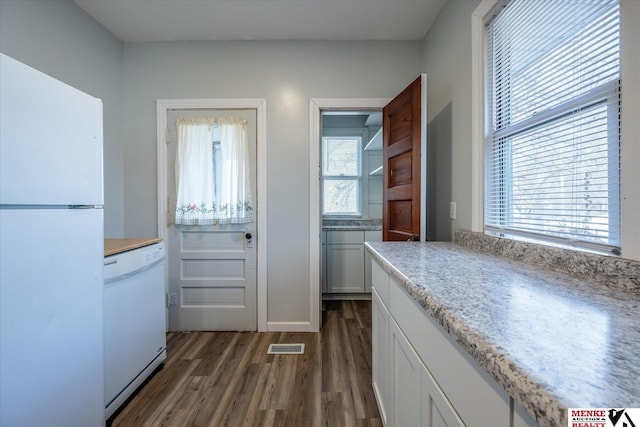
x,y
521,418
324,268
367,271
437,411
345,268
369,236
406,381
380,357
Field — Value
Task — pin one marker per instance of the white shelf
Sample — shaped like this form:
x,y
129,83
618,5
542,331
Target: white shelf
x,y
375,143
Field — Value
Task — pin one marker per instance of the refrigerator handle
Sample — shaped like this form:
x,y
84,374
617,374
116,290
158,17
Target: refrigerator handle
x,y
85,207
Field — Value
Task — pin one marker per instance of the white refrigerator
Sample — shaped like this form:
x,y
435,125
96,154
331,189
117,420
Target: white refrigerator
x,y
51,252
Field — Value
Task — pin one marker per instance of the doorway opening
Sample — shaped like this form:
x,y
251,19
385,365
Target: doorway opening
x,y
350,199
338,180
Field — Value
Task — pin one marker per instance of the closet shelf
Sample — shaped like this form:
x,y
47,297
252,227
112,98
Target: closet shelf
x,y
375,143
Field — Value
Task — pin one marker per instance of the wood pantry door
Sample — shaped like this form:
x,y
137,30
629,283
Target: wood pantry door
x,y
403,142
211,268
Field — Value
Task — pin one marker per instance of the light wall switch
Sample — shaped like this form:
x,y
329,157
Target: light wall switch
x,y
452,210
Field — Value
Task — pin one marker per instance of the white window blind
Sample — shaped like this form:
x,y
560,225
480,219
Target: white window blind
x,y
553,122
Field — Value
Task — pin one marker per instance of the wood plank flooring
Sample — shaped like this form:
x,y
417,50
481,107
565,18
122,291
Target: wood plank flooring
x,y
228,379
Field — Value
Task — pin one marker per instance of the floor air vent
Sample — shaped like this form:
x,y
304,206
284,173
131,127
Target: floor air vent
x,y
286,349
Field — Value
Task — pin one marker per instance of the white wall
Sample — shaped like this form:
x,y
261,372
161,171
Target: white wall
x,y
447,61
286,74
60,39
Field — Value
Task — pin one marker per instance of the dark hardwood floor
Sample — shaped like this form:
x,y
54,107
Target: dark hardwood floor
x,y
228,379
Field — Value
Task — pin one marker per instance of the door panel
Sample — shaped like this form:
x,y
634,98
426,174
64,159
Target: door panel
x,y
400,215
402,160
212,268
400,170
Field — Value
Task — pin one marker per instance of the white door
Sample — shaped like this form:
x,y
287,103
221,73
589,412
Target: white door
x,y
212,268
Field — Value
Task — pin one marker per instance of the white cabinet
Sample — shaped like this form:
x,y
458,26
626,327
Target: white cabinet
x,y
369,236
406,382
436,409
416,398
380,357
421,376
346,267
521,417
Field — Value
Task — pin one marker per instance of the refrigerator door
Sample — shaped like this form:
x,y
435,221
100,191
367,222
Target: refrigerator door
x,y
51,317
50,140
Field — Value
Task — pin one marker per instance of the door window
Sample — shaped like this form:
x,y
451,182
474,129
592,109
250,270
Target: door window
x,y
212,172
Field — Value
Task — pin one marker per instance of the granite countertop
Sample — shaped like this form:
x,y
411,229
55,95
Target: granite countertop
x,y
552,340
351,225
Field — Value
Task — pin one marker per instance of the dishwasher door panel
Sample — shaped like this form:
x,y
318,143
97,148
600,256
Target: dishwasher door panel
x,y
134,328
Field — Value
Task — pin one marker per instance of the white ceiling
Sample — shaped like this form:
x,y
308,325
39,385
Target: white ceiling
x,y
178,20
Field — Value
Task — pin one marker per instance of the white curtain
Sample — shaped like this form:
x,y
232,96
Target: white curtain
x,y
201,199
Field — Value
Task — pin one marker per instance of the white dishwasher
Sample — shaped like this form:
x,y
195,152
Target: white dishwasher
x,y
134,320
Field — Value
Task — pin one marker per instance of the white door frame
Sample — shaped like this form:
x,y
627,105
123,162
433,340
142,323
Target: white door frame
x,y
315,133
260,105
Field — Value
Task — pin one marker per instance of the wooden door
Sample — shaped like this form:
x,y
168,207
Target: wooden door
x,y
403,215
211,268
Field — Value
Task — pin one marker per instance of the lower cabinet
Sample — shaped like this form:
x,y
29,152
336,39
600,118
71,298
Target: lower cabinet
x,y
406,382
420,376
380,328
417,400
346,266
436,409
521,417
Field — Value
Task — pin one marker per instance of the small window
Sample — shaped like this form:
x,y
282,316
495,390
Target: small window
x,y
212,172
341,175
553,123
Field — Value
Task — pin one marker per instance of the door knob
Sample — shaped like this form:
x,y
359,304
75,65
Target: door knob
x,y
248,236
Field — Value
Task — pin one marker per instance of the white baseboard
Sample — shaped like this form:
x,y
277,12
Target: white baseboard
x,y
290,327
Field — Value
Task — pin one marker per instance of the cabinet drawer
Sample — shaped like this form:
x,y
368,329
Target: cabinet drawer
x,y
380,281
345,237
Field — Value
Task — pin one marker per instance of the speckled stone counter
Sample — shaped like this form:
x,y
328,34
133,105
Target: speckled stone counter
x,y
552,340
351,225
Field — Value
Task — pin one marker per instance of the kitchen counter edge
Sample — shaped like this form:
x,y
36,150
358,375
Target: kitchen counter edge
x,y
118,246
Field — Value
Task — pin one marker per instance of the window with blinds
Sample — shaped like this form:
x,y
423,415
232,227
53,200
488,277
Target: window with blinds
x,y
553,122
